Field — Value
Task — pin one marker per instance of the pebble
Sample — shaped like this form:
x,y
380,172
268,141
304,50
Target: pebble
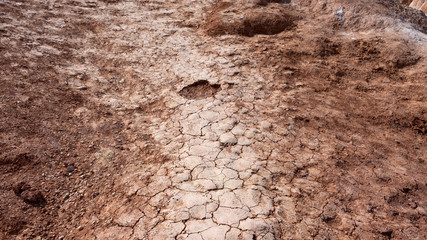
x,y
71,169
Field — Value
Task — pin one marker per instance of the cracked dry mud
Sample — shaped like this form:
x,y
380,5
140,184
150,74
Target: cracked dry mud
x,y
131,121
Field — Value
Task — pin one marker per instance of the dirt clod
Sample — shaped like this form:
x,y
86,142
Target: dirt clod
x,y
70,169
34,197
29,194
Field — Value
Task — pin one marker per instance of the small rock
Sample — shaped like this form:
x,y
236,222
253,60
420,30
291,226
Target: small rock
x,y
339,14
28,194
82,88
71,169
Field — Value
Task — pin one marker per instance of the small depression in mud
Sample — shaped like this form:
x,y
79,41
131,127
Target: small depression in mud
x,y
268,18
199,90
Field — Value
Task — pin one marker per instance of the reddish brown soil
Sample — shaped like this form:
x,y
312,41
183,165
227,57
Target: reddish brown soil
x,y
364,100
48,173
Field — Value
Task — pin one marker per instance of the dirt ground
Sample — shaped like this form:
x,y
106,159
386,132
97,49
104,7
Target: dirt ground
x,y
152,119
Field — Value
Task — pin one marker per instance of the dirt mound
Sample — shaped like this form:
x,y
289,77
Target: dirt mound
x,y
29,194
249,19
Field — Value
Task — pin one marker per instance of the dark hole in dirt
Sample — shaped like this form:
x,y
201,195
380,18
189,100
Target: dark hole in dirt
x,y
257,23
268,20
199,90
19,159
387,234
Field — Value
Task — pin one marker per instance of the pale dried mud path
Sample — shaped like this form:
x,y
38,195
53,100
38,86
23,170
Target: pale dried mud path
x,y
133,123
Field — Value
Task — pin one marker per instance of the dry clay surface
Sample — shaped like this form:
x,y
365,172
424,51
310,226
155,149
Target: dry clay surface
x,y
161,120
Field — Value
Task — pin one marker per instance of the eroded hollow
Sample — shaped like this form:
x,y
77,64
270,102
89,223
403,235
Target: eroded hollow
x,y
199,90
249,19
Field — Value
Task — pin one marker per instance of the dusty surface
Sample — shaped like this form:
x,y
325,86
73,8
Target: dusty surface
x,y
161,120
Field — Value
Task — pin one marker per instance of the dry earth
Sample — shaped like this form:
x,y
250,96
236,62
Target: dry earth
x,y
191,119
